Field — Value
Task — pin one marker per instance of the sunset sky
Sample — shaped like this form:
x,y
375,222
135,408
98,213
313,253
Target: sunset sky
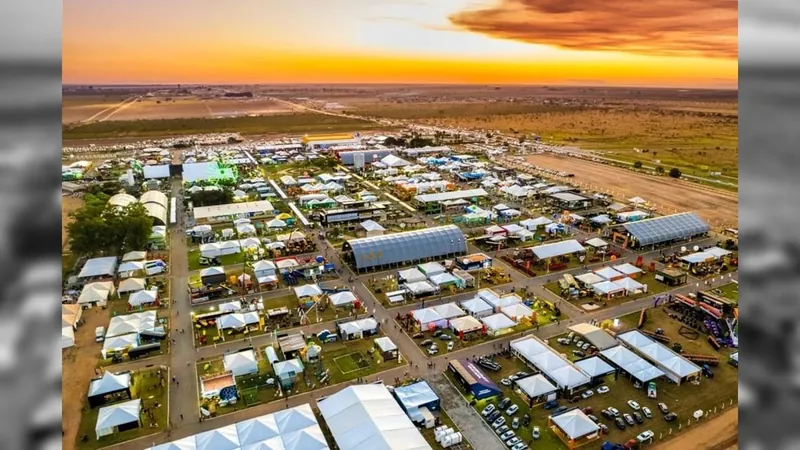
x,y
690,43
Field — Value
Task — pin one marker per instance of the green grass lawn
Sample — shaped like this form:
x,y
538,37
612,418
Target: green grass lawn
x,y
225,260
730,291
297,123
146,386
334,358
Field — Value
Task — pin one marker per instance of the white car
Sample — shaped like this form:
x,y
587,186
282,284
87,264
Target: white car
x,y
450,346
603,390
564,341
645,436
579,344
488,410
512,410
536,432
433,350
586,394
585,346
634,406
505,382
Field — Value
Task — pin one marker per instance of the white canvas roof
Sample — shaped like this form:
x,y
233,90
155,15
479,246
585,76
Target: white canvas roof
x,y
596,243
356,326
97,267
261,266
67,337
517,311
246,228
118,414
627,269
288,367
607,287
143,298
371,225
276,223
385,344
506,300
659,353
632,363
211,271
431,268
637,200
70,314
412,275
131,323
497,322
308,290
630,284
241,363
476,306
608,273
575,424
427,315
717,252
134,256
232,209
466,324
96,292
343,298
109,382
234,320
420,287
590,278
536,386
118,343
449,310
594,366
368,417
594,335
535,223
558,369
131,285
228,307
558,249
290,429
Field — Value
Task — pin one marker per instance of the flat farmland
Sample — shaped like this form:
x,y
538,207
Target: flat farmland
x,y
79,108
155,108
717,207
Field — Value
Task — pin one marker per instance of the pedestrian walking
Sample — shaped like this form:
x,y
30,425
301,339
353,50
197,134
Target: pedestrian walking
x,y
181,417
173,378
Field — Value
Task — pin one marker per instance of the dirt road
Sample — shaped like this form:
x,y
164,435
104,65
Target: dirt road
x,y
718,207
720,433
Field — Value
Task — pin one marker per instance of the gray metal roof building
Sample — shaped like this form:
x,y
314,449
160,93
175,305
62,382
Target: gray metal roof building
x,y
667,228
407,247
370,156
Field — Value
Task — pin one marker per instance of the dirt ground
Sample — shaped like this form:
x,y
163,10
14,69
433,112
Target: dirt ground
x,y
155,108
78,364
68,204
720,208
718,433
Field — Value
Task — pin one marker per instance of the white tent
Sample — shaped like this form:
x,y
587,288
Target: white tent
x,y
590,278
67,337
134,256
517,311
497,322
96,292
465,324
263,266
250,242
596,243
225,438
477,307
427,315
210,250
308,290
241,363
229,307
234,320
575,424
245,229
637,200
131,323
181,444
532,224
385,344
97,267
130,266
276,223
109,382
131,285
412,275
244,278
241,221
227,233
536,386
342,298
607,288
368,417
211,271
630,285
110,417
257,430
119,343
286,368
441,279
140,298
449,310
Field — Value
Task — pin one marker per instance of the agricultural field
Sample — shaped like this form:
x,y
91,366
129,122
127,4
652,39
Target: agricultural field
x,y
77,108
283,124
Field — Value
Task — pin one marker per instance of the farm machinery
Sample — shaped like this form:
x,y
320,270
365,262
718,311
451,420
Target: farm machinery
x,y
702,359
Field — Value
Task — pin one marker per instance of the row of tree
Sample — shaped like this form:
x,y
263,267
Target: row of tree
x,y
674,172
100,229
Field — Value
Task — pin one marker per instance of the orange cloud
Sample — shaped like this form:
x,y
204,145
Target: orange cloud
x,y
684,28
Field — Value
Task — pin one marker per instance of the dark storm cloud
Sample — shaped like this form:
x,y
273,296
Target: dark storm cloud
x,y
706,28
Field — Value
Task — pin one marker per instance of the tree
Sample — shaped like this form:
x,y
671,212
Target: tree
x,y
659,170
637,165
418,142
108,229
213,197
675,172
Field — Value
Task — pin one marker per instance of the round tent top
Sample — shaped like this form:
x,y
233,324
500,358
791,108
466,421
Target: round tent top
x,y
314,351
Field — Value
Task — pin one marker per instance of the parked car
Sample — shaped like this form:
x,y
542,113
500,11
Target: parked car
x,y
504,403
587,393
493,416
536,432
446,337
578,353
490,408
645,436
489,364
575,399
634,406
669,417
513,377
564,341
526,420
663,408
513,441
603,428
450,346
499,422
515,423
707,371
520,446
585,346
419,335
437,333
628,419
559,410
579,344
638,417
522,374
505,382
551,404
587,410
512,410
432,350
619,423
613,411
607,414
571,335
507,435
647,412
603,390
593,417
99,334
501,430
426,342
